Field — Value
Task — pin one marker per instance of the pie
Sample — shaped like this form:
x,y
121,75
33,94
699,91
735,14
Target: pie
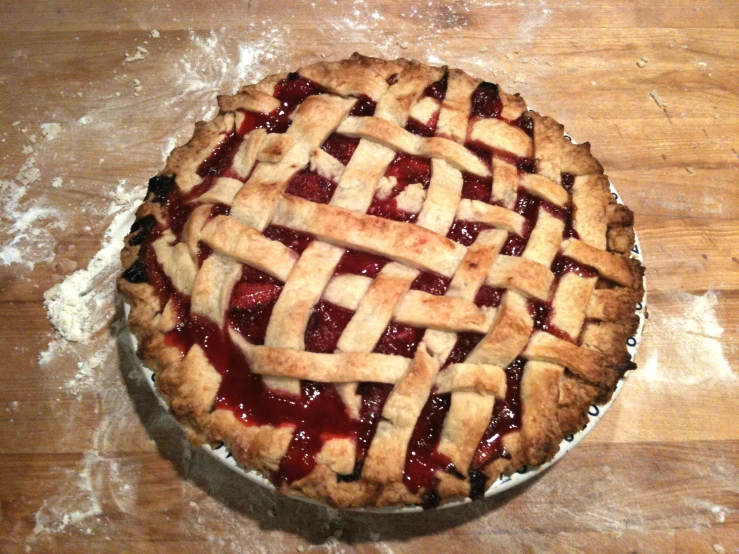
x,y
382,283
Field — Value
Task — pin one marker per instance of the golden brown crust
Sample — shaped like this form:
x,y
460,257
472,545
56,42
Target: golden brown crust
x,y
561,380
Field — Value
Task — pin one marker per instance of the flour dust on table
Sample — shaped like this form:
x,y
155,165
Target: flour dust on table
x,y
694,333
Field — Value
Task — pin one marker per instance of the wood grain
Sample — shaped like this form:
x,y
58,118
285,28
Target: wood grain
x,y
89,460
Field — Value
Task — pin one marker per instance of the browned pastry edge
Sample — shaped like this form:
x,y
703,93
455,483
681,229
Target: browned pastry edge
x,y
190,390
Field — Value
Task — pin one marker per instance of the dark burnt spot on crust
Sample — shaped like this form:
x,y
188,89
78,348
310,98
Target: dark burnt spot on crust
x,y
627,366
454,473
136,272
159,186
430,499
354,475
477,484
141,229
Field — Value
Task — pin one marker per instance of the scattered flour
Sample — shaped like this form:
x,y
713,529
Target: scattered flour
x,y
74,306
28,241
694,337
217,63
658,99
79,307
54,351
55,515
139,54
84,378
28,173
50,130
718,512
126,198
530,25
168,147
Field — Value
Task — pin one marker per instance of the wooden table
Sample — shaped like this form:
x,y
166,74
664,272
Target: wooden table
x,y
89,461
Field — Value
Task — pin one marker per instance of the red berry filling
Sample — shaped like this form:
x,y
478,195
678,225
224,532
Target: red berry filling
x,y
422,129
528,206
294,90
340,147
180,206
399,340
251,320
373,396
541,313
563,264
526,124
321,415
465,232
489,297
290,92
292,239
475,187
252,301
438,89
430,282
221,159
274,122
485,153
422,457
364,107
315,415
514,245
311,186
486,101
481,151
204,251
249,295
465,344
325,326
406,169
506,418
360,263
388,209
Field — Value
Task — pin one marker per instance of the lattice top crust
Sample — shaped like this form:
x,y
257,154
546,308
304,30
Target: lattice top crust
x,y
382,283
